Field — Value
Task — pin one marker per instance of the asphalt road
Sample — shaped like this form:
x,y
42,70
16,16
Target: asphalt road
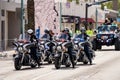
x,y
106,66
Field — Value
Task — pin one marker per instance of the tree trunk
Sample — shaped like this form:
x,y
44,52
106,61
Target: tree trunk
x,y
31,16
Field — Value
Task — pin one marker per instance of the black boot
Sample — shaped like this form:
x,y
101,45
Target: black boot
x,y
90,62
73,64
38,63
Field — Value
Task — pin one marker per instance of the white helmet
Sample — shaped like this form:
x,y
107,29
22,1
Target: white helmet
x,y
29,31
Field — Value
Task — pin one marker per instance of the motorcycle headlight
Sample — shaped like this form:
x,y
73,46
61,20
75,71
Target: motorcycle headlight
x,y
42,42
59,48
75,41
20,49
76,47
42,47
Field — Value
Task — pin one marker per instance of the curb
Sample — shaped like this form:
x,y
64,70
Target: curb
x,y
7,55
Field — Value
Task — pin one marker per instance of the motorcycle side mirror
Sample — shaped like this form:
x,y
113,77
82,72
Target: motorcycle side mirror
x,y
88,38
116,31
15,39
54,38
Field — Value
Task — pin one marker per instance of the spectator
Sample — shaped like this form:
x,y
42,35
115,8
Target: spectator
x,y
38,32
90,32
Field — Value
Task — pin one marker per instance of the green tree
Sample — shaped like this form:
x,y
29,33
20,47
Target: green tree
x,y
114,4
108,4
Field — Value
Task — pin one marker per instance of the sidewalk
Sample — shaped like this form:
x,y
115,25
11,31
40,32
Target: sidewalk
x,y
7,55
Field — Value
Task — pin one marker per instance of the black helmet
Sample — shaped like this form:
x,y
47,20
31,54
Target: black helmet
x,y
46,31
66,30
83,29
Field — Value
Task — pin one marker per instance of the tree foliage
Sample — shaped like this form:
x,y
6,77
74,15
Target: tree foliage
x,y
110,5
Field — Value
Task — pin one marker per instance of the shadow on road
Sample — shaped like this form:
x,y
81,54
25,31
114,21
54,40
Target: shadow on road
x,y
107,50
80,64
65,68
29,68
47,64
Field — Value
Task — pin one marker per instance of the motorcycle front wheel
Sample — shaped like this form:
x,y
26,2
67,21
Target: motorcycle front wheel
x,y
17,64
57,63
85,62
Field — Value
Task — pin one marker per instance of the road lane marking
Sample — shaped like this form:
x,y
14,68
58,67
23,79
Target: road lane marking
x,y
44,75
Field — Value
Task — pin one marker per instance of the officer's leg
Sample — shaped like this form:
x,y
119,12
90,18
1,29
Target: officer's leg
x,y
32,53
51,47
70,50
86,48
35,57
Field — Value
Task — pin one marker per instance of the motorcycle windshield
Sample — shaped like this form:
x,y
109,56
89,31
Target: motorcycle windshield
x,y
45,37
82,40
79,38
63,36
23,37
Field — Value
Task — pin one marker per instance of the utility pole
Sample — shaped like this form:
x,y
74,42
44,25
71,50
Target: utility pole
x,y
0,28
96,17
22,19
86,16
60,4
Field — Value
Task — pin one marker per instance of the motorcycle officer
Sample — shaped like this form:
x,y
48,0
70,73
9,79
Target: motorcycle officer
x,y
46,35
33,53
84,36
51,34
68,44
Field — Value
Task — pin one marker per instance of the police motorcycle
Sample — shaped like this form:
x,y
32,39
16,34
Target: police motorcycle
x,y
79,47
22,56
44,51
61,56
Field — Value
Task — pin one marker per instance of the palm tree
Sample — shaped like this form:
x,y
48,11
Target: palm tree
x,y
30,13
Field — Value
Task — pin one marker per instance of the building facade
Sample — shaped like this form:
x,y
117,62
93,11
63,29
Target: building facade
x,y
9,22
46,13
